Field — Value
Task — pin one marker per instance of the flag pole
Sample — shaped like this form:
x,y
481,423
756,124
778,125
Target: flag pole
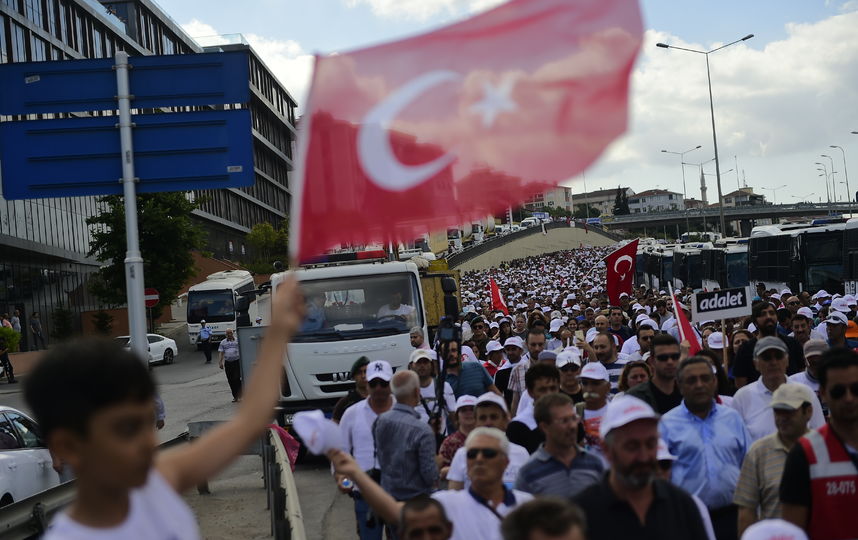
x,y
675,310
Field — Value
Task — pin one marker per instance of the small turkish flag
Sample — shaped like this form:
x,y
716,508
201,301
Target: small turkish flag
x,y
460,123
686,332
498,303
621,271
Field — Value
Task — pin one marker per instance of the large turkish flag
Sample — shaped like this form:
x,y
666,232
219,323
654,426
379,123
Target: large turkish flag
x,y
621,271
451,126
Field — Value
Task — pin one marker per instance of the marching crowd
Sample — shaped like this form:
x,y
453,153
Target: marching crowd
x,y
559,415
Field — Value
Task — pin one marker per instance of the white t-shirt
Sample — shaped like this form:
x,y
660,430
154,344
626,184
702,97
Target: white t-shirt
x,y
356,433
155,512
428,394
458,472
752,403
802,378
473,521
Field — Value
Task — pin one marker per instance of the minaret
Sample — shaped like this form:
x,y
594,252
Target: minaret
x,y
703,188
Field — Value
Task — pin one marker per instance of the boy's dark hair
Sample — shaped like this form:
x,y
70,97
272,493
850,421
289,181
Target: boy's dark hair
x,y
540,371
551,516
835,358
75,380
542,407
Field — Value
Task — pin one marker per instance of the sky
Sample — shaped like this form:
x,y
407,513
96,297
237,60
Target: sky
x,y
780,99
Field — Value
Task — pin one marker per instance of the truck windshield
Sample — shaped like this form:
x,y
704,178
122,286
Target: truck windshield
x,y
357,307
211,306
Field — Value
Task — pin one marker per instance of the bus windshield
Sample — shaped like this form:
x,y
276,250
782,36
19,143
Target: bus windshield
x,y
359,307
211,306
737,269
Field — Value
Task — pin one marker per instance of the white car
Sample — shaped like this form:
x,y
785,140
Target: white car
x,y
161,349
25,463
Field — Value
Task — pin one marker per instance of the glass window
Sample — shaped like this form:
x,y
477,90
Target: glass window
x,y
154,339
51,17
27,429
3,56
97,50
38,49
8,437
211,306
33,11
19,43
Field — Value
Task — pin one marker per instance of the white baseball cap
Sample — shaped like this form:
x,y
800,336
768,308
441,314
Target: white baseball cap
x,y
466,401
379,369
419,354
841,305
568,356
591,335
514,341
624,410
555,325
715,340
835,317
491,397
595,371
773,529
318,433
805,311
493,346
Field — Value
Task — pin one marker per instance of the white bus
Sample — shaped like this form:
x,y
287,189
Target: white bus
x,y
353,310
213,301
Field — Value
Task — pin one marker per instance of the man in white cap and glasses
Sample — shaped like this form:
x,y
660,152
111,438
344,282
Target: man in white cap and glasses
x,y
475,513
205,341
631,501
569,364
757,493
356,432
709,440
753,402
513,349
835,326
423,362
596,384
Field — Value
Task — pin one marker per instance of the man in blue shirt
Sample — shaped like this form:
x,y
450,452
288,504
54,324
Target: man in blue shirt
x,y
835,326
205,340
467,378
710,442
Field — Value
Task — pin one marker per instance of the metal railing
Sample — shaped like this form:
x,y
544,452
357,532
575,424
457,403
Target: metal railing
x,y
287,522
28,518
750,211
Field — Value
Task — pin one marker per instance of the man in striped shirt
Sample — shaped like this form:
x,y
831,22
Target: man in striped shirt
x,y
606,353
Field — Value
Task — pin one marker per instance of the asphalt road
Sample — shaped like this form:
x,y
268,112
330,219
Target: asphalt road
x,y
195,391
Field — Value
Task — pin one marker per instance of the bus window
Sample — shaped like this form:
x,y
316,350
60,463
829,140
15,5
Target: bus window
x,y
211,306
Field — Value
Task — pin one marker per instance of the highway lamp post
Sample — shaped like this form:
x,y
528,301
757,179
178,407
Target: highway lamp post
x,y
774,191
804,197
833,182
720,197
712,114
684,192
824,170
849,196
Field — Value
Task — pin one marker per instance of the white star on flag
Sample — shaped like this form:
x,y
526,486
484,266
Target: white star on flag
x,y
496,99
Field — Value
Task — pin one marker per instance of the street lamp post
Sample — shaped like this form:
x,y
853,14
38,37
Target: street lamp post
x,y
824,169
833,182
712,114
774,191
849,197
684,192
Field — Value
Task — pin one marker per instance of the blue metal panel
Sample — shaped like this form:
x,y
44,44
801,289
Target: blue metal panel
x,y
81,156
156,81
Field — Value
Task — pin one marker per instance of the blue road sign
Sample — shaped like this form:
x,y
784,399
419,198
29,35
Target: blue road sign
x,y
156,81
81,156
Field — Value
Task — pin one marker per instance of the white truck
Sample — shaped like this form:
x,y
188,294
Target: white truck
x,y
213,301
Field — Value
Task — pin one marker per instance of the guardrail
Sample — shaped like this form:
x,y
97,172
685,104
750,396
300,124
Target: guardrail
x,y
287,522
28,518
476,250
759,210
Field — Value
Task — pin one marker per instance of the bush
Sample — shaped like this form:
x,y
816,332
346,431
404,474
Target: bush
x,y
103,322
12,338
62,323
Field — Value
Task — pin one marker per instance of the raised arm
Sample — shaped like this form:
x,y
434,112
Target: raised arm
x,y
190,465
385,506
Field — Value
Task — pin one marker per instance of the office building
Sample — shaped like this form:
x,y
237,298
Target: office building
x,y
656,200
559,197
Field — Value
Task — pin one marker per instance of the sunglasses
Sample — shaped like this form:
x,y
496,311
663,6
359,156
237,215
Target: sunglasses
x,y
839,390
488,453
375,383
666,357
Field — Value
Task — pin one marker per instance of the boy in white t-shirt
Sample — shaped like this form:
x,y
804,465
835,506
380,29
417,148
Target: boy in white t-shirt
x,y
94,403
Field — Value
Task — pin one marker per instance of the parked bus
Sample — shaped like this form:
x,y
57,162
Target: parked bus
x,y
687,265
213,301
725,265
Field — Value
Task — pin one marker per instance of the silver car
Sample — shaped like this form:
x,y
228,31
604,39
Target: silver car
x,y
25,462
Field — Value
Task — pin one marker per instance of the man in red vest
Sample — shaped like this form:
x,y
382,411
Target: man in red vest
x,y
819,488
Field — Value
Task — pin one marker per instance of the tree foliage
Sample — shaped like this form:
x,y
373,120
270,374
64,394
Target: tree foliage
x,y
168,236
269,244
581,211
621,202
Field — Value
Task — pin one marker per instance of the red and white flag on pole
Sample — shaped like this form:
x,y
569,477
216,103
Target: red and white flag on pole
x,y
460,123
686,332
498,303
621,271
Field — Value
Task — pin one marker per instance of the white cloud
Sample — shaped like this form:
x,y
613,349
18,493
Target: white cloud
x,y
776,108
286,58
422,10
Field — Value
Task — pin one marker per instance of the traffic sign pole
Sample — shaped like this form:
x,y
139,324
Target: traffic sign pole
x,y
133,259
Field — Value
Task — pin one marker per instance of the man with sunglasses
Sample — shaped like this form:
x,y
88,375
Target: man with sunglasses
x,y
661,392
356,433
710,441
819,488
476,513
753,401
569,364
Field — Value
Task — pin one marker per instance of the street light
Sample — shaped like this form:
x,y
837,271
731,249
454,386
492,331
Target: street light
x,y
712,113
684,192
833,183
803,198
845,174
825,170
774,191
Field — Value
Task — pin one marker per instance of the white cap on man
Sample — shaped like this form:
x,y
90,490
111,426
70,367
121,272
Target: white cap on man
x,y
595,371
625,410
379,369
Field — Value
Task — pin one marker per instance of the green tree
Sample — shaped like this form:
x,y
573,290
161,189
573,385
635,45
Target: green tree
x,y
621,202
582,213
168,236
269,244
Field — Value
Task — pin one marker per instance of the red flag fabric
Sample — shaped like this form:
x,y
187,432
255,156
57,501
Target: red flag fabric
x,y
621,271
498,303
685,330
460,123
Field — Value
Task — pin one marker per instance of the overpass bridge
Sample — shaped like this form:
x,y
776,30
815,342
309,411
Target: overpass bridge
x,y
746,215
527,242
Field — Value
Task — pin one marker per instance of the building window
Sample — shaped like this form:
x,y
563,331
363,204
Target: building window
x,y
3,57
37,49
33,11
19,43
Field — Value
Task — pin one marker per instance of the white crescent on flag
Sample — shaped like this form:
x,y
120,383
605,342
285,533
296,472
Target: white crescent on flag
x,y
617,264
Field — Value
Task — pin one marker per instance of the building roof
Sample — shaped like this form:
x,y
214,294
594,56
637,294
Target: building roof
x,y
612,192
653,192
745,193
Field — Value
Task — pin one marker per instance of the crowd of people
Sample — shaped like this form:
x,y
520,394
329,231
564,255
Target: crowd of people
x,y
561,415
